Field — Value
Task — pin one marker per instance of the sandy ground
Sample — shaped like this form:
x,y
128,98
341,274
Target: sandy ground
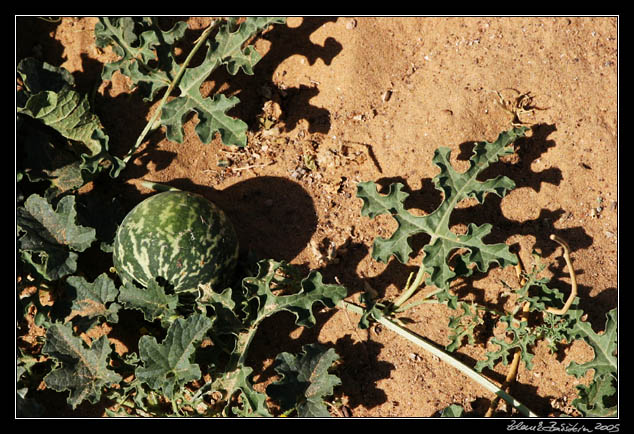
x,y
370,99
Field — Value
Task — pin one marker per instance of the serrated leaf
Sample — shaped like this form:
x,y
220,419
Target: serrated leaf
x,y
168,366
311,290
43,158
455,187
463,325
59,226
49,97
48,238
152,300
238,382
224,309
226,49
212,118
545,297
93,300
148,58
155,45
66,111
230,39
517,336
84,370
305,381
102,158
604,346
592,399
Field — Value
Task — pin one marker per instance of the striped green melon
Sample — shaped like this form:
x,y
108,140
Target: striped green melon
x,y
177,236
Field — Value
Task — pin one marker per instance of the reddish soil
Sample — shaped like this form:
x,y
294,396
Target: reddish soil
x,y
356,99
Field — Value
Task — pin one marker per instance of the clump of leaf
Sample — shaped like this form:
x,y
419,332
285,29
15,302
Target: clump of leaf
x,y
173,373
233,320
516,333
275,288
147,58
82,369
598,399
455,187
192,349
70,147
50,239
448,256
305,381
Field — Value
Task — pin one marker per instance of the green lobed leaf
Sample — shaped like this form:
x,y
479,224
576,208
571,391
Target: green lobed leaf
x,y
455,187
152,300
305,381
373,310
276,287
48,238
604,346
545,296
84,370
238,382
95,299
59,225
224,308
212,118
231,37
517,336
464,325
226,49
67,111
50,97
147,57
311,290
598,398
592,399
167,366
146,51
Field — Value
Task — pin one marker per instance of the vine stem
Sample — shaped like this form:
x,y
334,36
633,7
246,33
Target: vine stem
x,y
445,357
573,277
410,287
512,372
150,125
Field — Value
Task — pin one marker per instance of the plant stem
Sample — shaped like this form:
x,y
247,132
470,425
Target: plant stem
x,y
573,278
445,357
150,125
410,289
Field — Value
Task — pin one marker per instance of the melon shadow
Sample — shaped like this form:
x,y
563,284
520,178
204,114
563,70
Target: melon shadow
x,y
274,217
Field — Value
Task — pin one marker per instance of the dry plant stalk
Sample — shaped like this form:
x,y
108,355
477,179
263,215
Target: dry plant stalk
x,y
513,368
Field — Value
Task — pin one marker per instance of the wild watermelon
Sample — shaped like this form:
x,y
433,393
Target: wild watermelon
x,y
177,236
